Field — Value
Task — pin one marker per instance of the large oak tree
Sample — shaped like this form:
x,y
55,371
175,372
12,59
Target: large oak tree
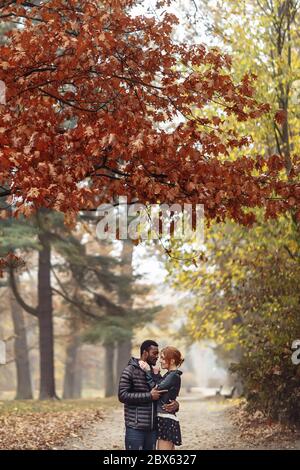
x,y
90,90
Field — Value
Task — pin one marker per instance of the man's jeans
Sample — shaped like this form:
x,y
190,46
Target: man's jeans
x,y
136,439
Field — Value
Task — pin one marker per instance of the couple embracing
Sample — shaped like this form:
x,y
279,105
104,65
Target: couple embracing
x,y
149,399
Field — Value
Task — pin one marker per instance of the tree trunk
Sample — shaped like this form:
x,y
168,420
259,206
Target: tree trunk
x,y
77,388
109,369
73,376
123,356
24,386
126,300
45,317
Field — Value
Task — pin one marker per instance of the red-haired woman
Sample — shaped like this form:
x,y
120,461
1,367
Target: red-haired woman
x,y
168,426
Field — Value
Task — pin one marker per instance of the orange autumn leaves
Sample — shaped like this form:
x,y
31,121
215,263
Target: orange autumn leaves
x,y
92,106
10,260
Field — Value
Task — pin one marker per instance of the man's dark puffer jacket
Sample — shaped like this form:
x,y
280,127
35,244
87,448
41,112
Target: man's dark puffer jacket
x,y
134,392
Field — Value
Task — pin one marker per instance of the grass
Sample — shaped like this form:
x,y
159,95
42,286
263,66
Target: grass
x,y
44,406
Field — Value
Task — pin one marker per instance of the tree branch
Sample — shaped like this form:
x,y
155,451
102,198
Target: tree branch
x,y
79,305
31,310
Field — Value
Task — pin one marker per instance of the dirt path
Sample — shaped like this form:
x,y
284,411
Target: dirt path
x,y
205,425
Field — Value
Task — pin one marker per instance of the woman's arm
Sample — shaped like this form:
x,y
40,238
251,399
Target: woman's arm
x,y
150,380
171,380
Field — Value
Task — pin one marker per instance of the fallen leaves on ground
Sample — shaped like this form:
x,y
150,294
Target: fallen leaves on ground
x,y
258,429
43,430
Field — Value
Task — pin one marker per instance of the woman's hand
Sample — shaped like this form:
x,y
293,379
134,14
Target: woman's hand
x,y
172,407
156,370
144,365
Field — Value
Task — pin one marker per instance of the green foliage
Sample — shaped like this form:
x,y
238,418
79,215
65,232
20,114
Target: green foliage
x,y
17,234
271,381
119,328
245,297
263,37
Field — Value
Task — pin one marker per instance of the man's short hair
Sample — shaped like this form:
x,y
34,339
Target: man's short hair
x,y
146,345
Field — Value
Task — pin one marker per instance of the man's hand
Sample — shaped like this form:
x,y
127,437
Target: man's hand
x,y
144,365
171,407
155,394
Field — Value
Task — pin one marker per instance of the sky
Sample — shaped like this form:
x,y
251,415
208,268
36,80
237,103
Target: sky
x,y
176,7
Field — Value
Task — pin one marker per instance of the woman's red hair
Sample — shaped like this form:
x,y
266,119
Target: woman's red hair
x,y
172,353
